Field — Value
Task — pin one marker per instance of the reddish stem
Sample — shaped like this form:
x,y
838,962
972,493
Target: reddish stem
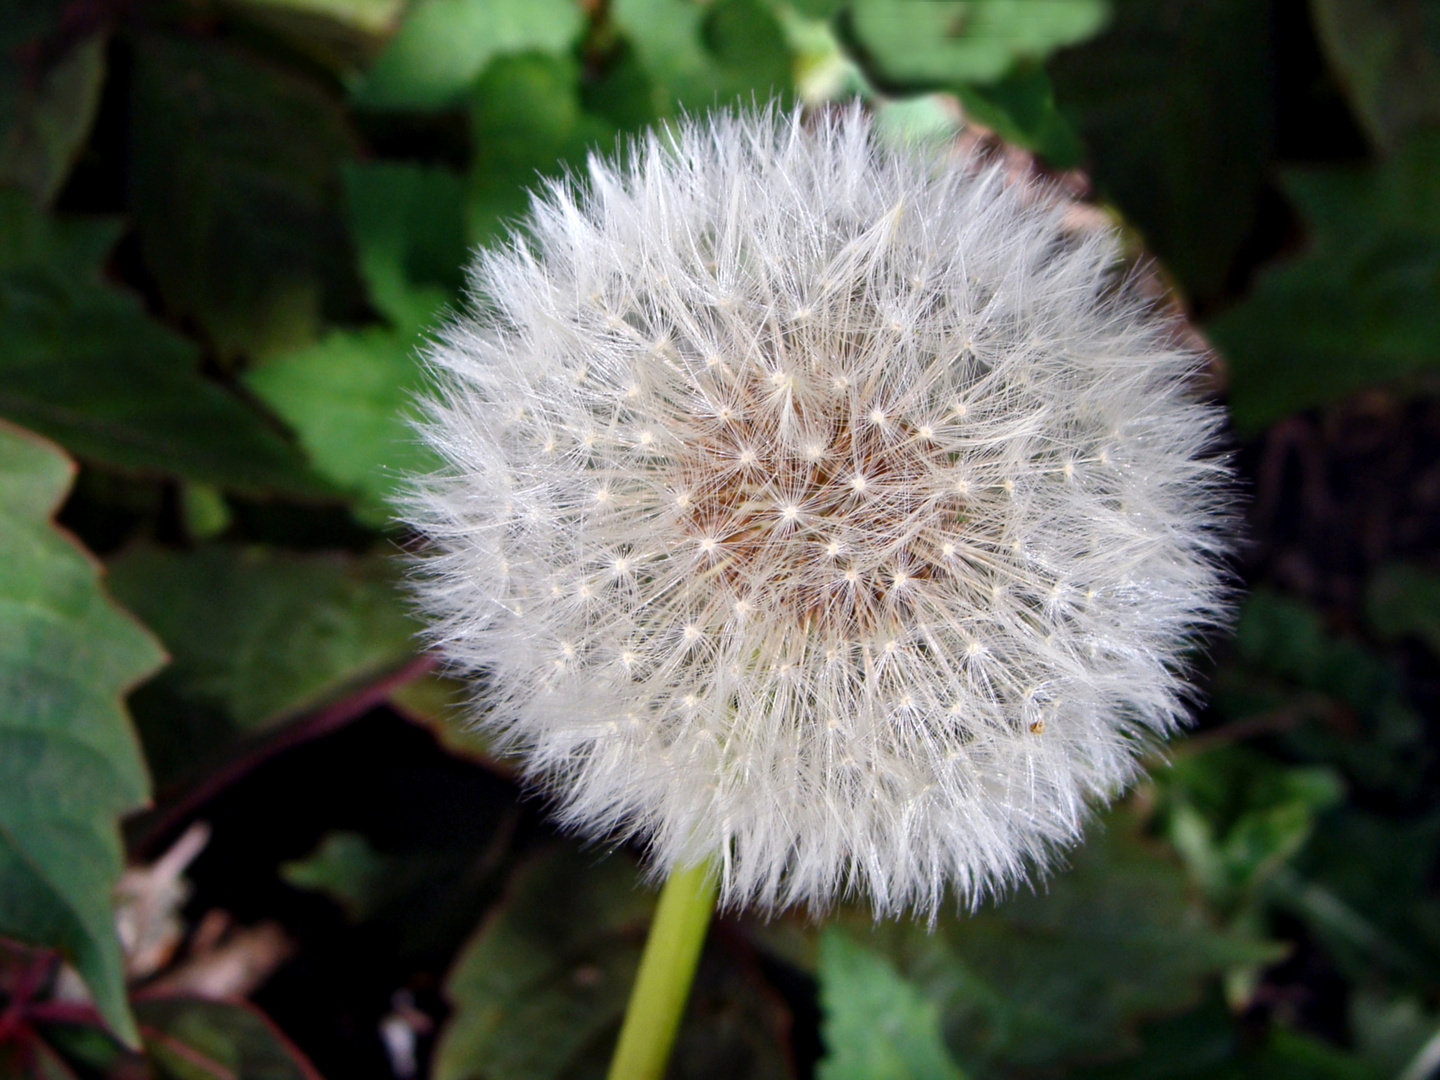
x,y
322,721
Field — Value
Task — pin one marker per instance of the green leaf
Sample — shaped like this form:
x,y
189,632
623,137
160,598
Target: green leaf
x,y
698,55
375,18
52,119
942,43
1403,600
1237,816
407,223
346,868
1173,101
1355,713
433,701
1210,1044
70,764
84,365
548,974
1067,972
1021,107
192,1039
538,992
1363,886
258,636
878,1026
1387,53
235,186
528,123
343,36
351,398
1361,305
444,45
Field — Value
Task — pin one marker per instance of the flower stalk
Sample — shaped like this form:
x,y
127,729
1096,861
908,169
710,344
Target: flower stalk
x,y
667,969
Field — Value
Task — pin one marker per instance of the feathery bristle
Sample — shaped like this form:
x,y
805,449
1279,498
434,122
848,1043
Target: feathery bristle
x,y
824,510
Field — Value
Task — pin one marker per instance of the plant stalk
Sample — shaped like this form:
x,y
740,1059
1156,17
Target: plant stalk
x,y
667,968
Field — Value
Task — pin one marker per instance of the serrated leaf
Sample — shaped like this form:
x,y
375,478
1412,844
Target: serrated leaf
x,y
70,764
258,636
941,43
235,187
51,119
444,45
1387,54
877,1025
1066,972
1361,305
84,365
699,55
1173,102
192,1039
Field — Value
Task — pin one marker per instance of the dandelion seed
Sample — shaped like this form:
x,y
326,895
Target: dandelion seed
x,y
867,727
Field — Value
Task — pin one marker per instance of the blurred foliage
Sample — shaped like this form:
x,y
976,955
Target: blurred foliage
x,y
228,228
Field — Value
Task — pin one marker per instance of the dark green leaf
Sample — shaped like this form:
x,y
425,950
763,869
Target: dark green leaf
x,y
258,636
1363,886
1237,816
1208,1044
1360,306
346,868
1353,710
444,45
69,761
547,976
1173,103
84,365
51,119
1403,600
1387,53
191,1039
1067,972
1021,107
877,1025
702,54
350,397
407,223
235,186
538,993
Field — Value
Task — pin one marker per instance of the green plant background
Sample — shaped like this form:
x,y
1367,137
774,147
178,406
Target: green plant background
x,y
226,226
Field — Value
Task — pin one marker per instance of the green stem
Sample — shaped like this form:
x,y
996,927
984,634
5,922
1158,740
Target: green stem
x,y
666,970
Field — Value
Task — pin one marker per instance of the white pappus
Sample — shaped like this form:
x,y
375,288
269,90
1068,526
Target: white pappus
x,y
824,510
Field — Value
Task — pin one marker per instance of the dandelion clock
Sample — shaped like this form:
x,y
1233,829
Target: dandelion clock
x,y
827,518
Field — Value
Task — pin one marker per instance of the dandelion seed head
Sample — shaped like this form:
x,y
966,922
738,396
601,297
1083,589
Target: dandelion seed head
x,y
870,512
